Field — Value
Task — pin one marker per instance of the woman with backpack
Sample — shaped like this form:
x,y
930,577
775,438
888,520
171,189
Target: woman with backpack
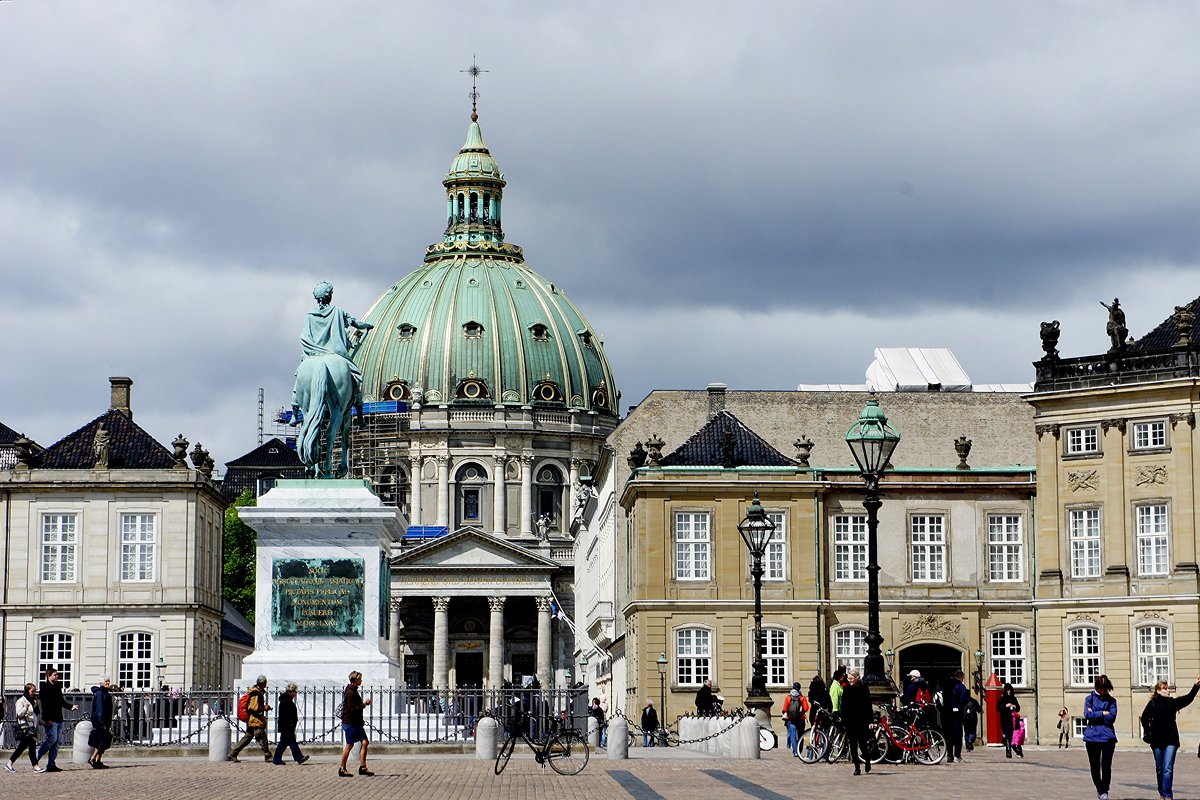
x,y
1161,731
795,709
25,728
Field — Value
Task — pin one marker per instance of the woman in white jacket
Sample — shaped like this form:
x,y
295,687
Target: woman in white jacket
x,y
25,729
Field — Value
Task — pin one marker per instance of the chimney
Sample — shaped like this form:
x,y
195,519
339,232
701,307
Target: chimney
x,y
716,398
120,395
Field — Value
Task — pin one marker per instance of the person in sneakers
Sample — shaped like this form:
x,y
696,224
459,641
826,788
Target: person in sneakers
x,y
100,738
353,727
25,729
53,706
285,725
256,720
1100,736
954,705
1160,730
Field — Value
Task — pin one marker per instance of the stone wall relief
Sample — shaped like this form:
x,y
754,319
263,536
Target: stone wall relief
x,y
932,626
1083,480
1150,474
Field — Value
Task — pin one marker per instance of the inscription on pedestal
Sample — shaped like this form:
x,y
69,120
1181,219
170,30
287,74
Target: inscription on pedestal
x,y
317,597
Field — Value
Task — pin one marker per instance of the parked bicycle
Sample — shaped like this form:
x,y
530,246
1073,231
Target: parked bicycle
x,y
825,739
906,740
565,751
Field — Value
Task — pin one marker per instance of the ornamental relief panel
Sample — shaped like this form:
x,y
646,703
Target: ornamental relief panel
x,y
1150,474
1083,480
932,626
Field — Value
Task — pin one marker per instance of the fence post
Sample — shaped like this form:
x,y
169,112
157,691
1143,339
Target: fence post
x,y
80,752
485,739
618,738
218,740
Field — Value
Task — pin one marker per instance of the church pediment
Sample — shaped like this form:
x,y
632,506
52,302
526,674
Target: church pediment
x,y
471,548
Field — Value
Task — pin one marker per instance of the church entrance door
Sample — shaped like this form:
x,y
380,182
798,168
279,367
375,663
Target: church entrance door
x,y
468,670
937,664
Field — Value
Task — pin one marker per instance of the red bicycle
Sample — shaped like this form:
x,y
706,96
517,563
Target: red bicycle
x,y
906,741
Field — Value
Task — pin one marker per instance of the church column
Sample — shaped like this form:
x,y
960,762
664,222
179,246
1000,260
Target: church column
x,y
441,642
395,651
495,674
527,495
543,642
443,496
414,503
500,497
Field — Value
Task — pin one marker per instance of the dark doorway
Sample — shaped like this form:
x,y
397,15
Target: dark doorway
x,y
414,672
522,664
468,670
937,664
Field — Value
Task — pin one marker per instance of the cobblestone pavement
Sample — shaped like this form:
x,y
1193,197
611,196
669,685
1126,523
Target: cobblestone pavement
x,y
647,775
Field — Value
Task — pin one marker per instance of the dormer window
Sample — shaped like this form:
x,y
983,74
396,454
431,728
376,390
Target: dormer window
x,y
472,330
472,389
600,396
406,330
540,332
586,337
397,390
547,391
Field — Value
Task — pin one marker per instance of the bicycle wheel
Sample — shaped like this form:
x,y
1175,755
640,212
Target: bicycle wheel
x,y
890,751
930,746
567,753
506,751
838,746
813,745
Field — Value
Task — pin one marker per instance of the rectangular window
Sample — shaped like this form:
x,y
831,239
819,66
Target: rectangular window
x,y
850,648
1085,542
1078,726
1004,547
135,659
775,656
1084,655
471,504
691,546
139,538
59,540
57,650
1149,435
1153,533
1008,656
1153,654
693,656
850,547
1083,440
928,532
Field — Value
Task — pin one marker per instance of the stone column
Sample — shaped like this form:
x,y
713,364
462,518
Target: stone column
x,y
500,497
441,643
543,642
495,643
394,623
443,496
526,495
415,470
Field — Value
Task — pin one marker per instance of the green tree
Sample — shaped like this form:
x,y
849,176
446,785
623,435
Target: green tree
x,y
239,557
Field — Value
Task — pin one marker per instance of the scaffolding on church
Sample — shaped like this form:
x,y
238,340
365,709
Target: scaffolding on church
x,y
375,451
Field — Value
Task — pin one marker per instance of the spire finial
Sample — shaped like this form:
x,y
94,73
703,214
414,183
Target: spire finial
x,y
474,71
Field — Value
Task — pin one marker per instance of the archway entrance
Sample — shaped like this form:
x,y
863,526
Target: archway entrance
x,y
937,663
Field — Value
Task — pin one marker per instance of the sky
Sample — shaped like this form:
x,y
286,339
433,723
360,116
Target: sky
x,y
754,193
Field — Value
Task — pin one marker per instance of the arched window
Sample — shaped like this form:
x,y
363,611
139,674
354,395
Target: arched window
x,y
470,480
1009,656
849,648
693,656
549,493
1153,654
1084,646
135,660
57,651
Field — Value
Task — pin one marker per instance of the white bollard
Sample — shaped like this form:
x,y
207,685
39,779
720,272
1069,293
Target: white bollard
x,y
486,733
618,738
710,742
80,752
219,743
725,740
593,733
746,745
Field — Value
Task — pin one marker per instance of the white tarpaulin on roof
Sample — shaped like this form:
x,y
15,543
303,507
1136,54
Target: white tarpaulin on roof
x,y
916,369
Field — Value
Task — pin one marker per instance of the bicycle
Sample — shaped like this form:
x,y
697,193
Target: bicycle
x,y
825,740
906,741
566,751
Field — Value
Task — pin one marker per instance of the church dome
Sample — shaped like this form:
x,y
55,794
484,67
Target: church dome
x,y
475,325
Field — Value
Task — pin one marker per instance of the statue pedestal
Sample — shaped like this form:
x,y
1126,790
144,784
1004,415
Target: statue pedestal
x,y
322,584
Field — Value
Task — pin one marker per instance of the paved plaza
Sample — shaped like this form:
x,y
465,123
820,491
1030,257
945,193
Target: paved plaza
x,y
647,775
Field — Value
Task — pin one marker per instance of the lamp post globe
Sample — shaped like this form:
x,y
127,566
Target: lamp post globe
x,y
661,662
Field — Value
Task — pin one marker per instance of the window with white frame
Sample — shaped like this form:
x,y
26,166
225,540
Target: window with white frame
x,y
1008,656
1083,440
57,651
1004,547
1084,528
1150,435
850,547
928,541
1153,654
135,660
693,656
139,541
850,648
1078,726
775,559
691,545
1153,531
775,656
1084,655
60,537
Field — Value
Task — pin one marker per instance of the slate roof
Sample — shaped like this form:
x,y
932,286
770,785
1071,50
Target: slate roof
x,y
706,448
1167,333
8,450
269,459
274,453
235,627
130,447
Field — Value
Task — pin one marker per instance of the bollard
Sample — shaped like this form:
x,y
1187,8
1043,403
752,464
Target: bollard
x,y
710,742
486,732
746,744
724,742
80,752
618,738
593,733
219,743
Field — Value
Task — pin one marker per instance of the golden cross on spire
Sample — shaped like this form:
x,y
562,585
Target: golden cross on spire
x,y
474,71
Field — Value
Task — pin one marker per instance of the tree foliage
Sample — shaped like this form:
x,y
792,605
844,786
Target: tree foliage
x,y
239,557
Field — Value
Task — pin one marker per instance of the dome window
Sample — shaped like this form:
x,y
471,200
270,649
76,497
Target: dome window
x,y
397,390
471,389
406,330
472,330
540,332
547,391
519,284
586,337
600,396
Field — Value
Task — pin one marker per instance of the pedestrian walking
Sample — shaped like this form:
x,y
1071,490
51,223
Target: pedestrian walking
x,y
53,705
1006,706
1064,728
100,739
25,728
596,711
704,699
286,719
795,712
353,728
1161,731
256,720
1100,737
955,698
818,694
857,716
1018,736
837,685
971,721
649,724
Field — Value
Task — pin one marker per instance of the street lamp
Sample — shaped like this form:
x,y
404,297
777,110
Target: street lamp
x,y
160,665
661,661
979,671
756,530
872,441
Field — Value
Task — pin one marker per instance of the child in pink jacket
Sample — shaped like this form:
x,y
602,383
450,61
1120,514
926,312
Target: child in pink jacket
x,y
1018,735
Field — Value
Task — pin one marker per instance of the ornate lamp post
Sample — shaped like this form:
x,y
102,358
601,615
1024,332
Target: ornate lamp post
x,y
661,661
159,666
756,530
872,441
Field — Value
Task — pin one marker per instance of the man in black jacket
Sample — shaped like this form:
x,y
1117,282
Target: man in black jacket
x,y
649,724
53,704
285,723
704,700
857,715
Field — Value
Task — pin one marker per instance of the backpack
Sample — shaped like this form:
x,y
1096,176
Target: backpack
x,y
796,710
244,708
922,696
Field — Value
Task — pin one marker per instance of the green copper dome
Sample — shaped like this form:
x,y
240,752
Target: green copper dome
x,y
475,325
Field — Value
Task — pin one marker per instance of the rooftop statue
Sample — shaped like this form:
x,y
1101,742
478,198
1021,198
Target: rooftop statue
x,y
1116,328
328,383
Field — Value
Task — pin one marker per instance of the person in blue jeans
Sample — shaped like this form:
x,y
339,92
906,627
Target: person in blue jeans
x,y
1100,736
53,705
1161,732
